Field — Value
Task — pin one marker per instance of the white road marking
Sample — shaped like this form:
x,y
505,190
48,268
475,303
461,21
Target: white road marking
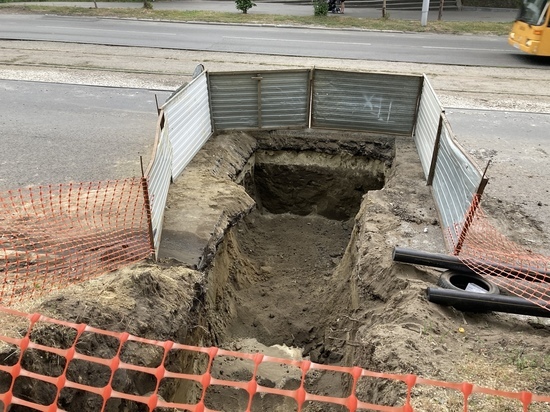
x,y
460,48
294,41
103,30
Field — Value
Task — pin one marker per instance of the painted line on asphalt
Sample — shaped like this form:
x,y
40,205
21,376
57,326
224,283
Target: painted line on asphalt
x,y
294,41
109,30
461,48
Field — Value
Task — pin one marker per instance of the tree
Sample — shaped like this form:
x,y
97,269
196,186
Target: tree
x,y
244,5
440,14
320,7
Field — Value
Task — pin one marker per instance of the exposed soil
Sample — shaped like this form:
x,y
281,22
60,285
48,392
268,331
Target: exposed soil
x,y
292,257
326,287
318,280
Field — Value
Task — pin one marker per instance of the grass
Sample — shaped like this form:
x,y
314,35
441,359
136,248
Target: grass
x,y
508,4
506,367
337,22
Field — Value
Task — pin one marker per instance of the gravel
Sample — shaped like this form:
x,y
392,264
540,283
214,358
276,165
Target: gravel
x,y
486,88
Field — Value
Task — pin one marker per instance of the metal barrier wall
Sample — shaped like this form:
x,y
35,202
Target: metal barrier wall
x,y
257,100
365,101
457,180
184,126
159,177
371,102
187,115
428,125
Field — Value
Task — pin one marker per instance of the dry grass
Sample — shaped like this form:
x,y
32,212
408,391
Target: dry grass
x,y
511,374
388,24
505,367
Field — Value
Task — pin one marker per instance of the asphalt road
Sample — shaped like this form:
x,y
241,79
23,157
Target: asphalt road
x,y
56,133
490,51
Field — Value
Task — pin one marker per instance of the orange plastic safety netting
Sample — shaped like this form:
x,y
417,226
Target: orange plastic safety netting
x,y
52,236
47,375
507,264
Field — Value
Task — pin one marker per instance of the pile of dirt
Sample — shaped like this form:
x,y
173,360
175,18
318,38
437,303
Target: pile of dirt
x,y
322,286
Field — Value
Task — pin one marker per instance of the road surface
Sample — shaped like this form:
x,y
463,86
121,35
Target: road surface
x,y
488,51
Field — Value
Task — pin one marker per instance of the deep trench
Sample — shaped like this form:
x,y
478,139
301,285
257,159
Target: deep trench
x,y
271,282
294,240
275,265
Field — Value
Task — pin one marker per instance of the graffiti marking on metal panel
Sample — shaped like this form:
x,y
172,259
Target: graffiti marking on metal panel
x,y
378,106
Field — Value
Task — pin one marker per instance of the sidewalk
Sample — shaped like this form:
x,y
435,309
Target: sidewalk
x,y
492,15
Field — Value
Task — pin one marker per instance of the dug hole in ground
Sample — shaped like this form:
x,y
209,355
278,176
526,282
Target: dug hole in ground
x,y
281,243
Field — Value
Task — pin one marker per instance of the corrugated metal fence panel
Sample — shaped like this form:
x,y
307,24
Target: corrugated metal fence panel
x,y
158,183
365,101
429,113
455,183
234,100
259,99
285,101
188,118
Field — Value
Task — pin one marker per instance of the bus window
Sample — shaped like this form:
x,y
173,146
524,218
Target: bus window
x,y
531,30
533,12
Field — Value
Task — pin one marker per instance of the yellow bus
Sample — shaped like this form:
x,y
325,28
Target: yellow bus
x,y
531,30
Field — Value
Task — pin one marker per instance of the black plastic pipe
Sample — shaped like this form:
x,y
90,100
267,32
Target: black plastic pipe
x,y
417,257
484,302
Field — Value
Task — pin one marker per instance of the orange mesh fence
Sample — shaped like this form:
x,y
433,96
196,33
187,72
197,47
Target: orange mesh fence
x,y
52,236
507,264
60,377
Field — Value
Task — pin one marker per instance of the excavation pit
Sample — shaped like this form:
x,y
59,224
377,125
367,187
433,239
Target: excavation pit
x,y
338,299
271,278
291,243
305,183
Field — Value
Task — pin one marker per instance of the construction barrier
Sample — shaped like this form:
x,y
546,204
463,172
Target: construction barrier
x,y
507,264
65,380
457,186
54,236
